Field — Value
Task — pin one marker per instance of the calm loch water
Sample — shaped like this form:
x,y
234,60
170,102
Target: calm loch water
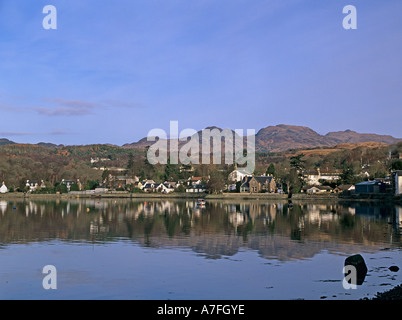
x,y
123,249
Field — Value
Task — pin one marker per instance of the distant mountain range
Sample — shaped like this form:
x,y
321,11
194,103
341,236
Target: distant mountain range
x,y
284,137
4,142
277,139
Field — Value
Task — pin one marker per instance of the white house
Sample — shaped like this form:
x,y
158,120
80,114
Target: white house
x,y
34,185
199,188
149,187
192,181
313,190
238,174
319,189
164,188
68,183
313,177
3,188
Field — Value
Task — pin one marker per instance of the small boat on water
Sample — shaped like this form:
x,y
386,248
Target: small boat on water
x,y
200,203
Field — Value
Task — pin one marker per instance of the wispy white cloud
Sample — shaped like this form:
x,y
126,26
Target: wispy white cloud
x,y
70,107
53,132
65,107
62,111
14,133
59,132
122,104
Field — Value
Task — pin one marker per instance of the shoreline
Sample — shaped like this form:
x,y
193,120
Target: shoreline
x,y
224,196
124,195
390,295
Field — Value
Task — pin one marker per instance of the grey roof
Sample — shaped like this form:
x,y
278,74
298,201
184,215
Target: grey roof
x,y
263,179
246,181
368,183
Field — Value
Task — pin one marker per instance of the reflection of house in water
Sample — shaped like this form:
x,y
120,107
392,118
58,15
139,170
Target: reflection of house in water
x,y
237,219
98,227
320,213
252,211
398,218
371,210
31,208
3,206
270,212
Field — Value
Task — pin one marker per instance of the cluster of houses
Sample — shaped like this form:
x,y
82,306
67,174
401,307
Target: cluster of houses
x,y
248,182
314,180
392,185
192,184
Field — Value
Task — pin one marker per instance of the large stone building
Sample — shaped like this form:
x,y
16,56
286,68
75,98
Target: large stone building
x,y
256,184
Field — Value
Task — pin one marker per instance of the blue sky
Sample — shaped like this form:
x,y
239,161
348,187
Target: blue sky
x,y
112,71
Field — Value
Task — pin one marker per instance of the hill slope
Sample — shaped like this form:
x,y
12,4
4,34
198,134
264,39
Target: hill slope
x,y
284,137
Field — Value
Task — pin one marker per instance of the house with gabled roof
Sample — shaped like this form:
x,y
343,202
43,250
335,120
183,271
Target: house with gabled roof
x,y
256,184
34,185
197,188
3,188
238,174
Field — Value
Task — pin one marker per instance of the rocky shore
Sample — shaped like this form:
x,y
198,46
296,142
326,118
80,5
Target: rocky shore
x,y
393,294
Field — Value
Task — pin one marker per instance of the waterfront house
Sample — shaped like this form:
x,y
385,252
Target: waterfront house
x,y
196,180
319,189
313,190
168,187
69,183
345,188
139,185
122,181
256,184
170,184
149,186
164,188
370,187
3,188
34,185
238,174
198,188
245,186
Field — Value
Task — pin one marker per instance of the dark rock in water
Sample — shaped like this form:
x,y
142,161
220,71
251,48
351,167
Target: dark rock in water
x,y
393,268
358,262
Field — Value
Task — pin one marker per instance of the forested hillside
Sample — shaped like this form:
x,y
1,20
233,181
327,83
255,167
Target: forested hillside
x,y
21,162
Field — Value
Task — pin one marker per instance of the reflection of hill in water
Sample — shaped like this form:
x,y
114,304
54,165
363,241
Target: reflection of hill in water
x,y
222,229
